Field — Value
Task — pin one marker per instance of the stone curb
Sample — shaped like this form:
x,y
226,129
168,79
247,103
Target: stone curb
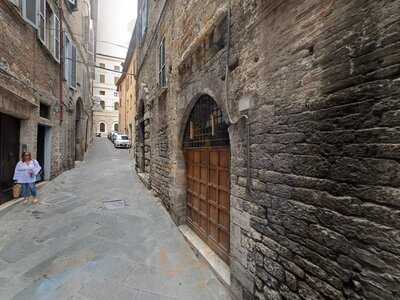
x,y
8,205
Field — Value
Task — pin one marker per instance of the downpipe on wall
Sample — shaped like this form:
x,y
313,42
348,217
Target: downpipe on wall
x,y
243,115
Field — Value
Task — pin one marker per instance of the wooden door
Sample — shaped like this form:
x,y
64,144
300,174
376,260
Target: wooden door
x,y
208,194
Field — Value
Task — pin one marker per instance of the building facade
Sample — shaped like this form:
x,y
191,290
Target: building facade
x,y
127,90
106,112
270,128
45,92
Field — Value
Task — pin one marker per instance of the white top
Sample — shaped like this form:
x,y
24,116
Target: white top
x,y
26,172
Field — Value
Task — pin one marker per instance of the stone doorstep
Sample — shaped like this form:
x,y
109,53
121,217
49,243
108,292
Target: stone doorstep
x,y
13,202
201,249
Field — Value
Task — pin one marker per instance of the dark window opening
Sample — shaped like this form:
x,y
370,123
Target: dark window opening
x,y
44,111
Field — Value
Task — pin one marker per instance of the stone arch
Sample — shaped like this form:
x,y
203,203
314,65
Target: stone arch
x,y
115,126
180,187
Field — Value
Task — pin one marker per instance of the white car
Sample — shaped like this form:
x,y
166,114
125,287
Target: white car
x,y
122,141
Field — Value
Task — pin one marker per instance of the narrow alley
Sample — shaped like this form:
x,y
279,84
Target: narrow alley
x,y
76,245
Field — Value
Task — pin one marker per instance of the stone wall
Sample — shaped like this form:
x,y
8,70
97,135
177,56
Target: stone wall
x,y
314,199
324,81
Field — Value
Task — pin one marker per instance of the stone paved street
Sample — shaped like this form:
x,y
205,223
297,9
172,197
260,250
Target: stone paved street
x,y
72,247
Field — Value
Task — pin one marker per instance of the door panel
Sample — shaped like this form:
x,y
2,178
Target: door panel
x,y
208,192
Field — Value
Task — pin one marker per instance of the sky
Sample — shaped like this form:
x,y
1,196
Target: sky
x,y
116,20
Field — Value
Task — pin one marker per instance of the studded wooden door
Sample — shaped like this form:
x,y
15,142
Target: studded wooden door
x,y
208,193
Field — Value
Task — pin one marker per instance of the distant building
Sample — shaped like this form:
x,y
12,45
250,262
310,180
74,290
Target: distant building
x,y
108,72
127,90
46,58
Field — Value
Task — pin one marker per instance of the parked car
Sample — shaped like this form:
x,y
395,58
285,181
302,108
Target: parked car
x,y
122,141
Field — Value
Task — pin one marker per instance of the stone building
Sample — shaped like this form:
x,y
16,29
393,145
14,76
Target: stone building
x,y
45,82
297,103
106,113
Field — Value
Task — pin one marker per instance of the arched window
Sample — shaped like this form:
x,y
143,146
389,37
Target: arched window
x,y
206,126
116,105
102,127
116,127
103,105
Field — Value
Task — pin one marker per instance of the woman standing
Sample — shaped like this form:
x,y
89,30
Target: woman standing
x,y
25,174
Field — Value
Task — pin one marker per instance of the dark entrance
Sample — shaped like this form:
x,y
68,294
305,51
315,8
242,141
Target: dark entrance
x,y
207,155
141,160
9,153
41,146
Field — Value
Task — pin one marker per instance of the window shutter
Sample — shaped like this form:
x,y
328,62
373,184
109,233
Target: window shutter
x,y
42,21
29,11
67,57
57,38
73,66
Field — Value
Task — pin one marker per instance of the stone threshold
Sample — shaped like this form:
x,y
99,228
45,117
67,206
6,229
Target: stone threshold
x,y
201,249
5,206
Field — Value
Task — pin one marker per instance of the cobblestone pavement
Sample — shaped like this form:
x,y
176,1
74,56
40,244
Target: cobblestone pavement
x,y
72,246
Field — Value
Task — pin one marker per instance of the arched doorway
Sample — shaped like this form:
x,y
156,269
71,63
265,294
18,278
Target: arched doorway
x,y
207,155
102,127
141,161
78,130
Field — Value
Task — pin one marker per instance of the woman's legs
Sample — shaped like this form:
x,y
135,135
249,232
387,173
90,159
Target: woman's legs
x,y
33,191
25,192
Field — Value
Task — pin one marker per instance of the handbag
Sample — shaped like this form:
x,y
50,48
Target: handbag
x,y
16,190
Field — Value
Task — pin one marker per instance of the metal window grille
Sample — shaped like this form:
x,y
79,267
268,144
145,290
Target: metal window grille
x,y
206,126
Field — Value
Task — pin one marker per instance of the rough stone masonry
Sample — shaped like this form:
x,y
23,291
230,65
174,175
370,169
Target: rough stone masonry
x,y
319,217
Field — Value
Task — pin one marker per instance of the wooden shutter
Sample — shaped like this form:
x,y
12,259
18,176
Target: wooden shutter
x,y
57,36
73,66
67,57
29,11
42,21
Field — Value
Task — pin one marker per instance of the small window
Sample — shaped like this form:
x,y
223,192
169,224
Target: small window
x,y
116,105
115,94
117,68
102,127
102,78
162,76
103,66
102,93
116,127
103,105
44,111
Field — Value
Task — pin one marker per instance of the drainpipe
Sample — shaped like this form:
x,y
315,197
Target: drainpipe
x,y
62,60
243,116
